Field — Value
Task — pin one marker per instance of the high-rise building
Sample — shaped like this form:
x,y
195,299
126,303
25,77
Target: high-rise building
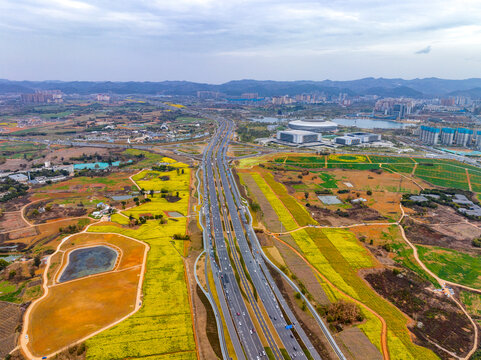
x,y
430,135
463,136
447,136
478,139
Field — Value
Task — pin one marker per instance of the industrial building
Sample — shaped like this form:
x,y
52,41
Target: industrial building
x,y
447,136
298,136
365,137
347,140
313,125
430,135
463,136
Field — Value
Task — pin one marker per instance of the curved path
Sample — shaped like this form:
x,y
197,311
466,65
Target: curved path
x,y
24,337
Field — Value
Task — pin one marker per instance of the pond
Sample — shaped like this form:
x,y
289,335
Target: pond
x,y
89,261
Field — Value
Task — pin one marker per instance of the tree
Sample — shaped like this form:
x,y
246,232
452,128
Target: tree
x,y
369,192
151,192
3,264
123,204
37,261
306,195
177,194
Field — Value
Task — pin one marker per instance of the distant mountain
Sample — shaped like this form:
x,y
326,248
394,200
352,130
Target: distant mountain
x,y
416,88
394,92
472,93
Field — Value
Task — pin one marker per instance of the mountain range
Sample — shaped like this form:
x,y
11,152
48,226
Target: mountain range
x,y
415,88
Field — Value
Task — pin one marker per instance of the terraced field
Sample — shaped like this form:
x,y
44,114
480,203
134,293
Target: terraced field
x,y
162,328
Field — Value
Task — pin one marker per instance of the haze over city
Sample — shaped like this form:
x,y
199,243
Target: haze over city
x,y
213,41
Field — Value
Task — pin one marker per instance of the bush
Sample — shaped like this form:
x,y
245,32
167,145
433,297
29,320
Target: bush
x,y
343,312
369,192
476,242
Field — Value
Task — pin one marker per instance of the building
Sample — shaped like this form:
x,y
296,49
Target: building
x,y
365,137
463,137
298,136
429,135
347,140
313,125
103,97
19,177
478,139
447,136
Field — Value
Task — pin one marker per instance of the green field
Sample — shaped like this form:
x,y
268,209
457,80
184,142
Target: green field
x,y
162,328
452,265
329,180
440,172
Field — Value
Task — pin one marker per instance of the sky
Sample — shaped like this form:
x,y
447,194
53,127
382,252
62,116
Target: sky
x,y
216,41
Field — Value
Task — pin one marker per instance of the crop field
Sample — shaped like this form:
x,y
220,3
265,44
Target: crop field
x,y
338,255
441,172
153,180
452,265
162,328
101,299
149,160
114,182
328,180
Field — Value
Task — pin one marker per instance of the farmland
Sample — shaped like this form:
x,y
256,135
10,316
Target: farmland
x,y
452,265
441,172
338,255
162,328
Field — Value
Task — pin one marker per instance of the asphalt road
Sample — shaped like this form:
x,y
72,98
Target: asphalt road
x,y
225,204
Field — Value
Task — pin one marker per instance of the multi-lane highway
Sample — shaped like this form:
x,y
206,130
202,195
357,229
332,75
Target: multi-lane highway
x,y
249,298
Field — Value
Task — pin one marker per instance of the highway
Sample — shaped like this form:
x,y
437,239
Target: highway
x,y
234,250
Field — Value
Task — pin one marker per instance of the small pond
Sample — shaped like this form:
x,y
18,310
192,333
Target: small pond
x,y
89,261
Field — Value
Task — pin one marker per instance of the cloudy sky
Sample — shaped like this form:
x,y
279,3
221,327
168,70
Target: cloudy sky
x,y
219,40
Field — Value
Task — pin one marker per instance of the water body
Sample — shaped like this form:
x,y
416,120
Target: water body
x,y
89,261
371,123
121,197
269,120
96,165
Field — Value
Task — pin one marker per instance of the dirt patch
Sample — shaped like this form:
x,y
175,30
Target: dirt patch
x,y
357,345
11,221
16,204
210,327
432,235
356,214
11,316
435,316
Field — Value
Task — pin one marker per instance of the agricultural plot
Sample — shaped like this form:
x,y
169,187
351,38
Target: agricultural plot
x,y
394,163
338,256
162,328
102,299
452,265
149,158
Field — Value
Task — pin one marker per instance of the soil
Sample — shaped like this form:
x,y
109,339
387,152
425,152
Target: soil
x,y
11,315
210,324
435,316
435,235
15,204
354,215
171,198
11,221
56,212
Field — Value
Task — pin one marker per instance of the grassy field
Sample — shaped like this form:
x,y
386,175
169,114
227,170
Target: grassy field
x,y
338,256
452,265
162,328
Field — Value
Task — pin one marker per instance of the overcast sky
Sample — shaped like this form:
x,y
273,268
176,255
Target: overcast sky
x,y
216,41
